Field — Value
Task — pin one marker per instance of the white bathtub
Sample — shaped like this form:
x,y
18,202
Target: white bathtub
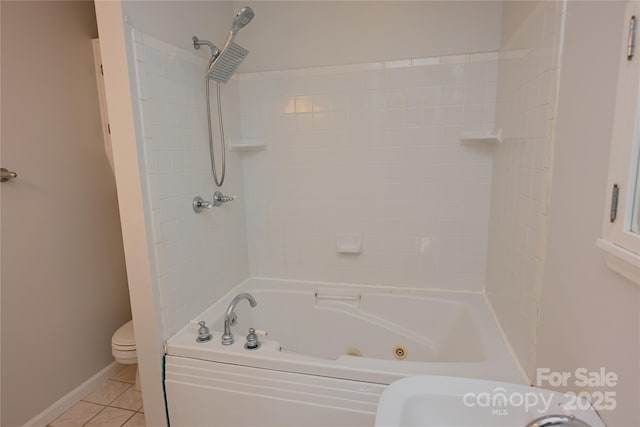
x,y
306,371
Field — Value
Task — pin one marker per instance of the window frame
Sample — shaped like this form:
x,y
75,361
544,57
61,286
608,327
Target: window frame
x,y
620,246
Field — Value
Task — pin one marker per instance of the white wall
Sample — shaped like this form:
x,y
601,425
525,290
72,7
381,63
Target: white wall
x,y
369,148
175,164
197,258
527,86
286,34
370,151
159,168
64,284
176,21
589,314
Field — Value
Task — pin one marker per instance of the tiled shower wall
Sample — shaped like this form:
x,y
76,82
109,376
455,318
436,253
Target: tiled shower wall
x,y
527,90
370,150
196,258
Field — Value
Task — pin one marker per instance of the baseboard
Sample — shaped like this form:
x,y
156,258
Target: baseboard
x,y
71,398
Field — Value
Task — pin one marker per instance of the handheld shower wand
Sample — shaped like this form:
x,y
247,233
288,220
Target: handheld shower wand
x,y
241,19
223,63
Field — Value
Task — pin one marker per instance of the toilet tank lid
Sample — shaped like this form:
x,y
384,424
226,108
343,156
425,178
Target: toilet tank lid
x,y
124,335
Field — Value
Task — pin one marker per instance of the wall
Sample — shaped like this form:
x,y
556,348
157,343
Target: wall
x,y
177,21
197,257
373,150
368,148
589,314
287,35
64,286
155,217
169,101
527,88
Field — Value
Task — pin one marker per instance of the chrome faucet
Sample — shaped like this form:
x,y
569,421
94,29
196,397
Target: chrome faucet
x,y
230,317
558,421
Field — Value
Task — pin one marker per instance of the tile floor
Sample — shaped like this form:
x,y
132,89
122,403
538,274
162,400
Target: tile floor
x,y
115,403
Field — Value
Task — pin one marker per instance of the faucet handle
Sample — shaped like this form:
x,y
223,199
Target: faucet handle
x,y
219,198
199,204
252,340
203,333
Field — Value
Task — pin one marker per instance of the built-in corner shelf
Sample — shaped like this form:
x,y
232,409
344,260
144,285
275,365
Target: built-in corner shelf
x,y
246,144
481,136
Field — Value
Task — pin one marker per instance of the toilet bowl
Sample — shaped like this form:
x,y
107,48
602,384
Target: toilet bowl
x,y
123,348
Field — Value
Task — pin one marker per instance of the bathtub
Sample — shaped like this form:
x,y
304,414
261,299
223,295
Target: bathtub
x,y
329,353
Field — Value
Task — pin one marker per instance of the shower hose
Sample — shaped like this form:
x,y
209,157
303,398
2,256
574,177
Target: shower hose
x,y
218,181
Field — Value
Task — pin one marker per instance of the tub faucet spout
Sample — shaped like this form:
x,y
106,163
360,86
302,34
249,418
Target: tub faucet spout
x,y
230,317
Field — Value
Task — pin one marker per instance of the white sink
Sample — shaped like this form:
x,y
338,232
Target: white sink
x,y
430,401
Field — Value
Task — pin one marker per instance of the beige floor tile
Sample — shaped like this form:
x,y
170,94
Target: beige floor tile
x,y
111,417
77,415
107,392
136,421
130,399
127,374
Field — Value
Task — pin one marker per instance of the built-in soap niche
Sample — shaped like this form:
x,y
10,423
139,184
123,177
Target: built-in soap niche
x,y
349,243
481,136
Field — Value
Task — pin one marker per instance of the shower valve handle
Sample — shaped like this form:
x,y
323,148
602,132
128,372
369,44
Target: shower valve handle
x,y
199,204
219,198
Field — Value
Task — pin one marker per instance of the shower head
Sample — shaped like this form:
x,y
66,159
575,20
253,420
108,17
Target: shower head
x,y
223,65
241,19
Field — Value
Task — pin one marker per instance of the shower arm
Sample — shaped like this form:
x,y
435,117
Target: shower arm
x,y
197,43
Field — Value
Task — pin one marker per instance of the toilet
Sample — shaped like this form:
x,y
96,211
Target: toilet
x,y
123,348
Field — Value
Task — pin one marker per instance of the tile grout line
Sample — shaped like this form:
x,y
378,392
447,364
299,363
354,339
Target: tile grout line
x,y
99,412
127,420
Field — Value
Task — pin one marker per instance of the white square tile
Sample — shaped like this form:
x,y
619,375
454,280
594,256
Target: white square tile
x,y
414,97
431,116
453,74
473,115
476,72
433,76
412,117
432,96
152,59
452,95
451,115
474,93
394,98
425,62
